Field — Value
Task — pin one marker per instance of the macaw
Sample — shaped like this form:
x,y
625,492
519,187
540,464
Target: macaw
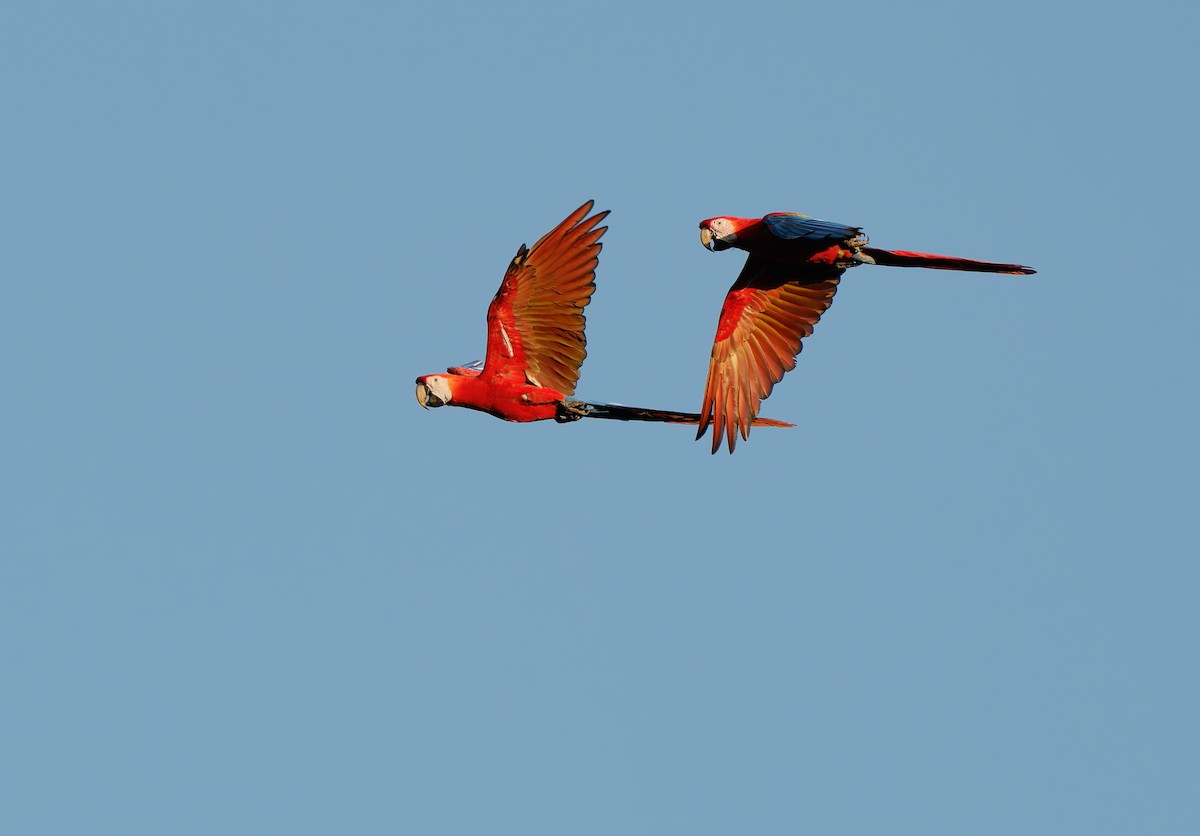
x,y
535,342
786,284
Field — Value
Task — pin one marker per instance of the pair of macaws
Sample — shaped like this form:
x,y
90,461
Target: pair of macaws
x,y
535,342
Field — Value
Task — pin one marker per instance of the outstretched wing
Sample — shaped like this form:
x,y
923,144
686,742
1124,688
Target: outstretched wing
x,y
536,321
768,311
792,225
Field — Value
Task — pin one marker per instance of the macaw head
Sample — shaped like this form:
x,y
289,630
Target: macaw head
x,y
717,234
433,390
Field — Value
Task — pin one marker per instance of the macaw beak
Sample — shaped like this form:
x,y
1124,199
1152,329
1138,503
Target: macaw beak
x,y
426,397
706,239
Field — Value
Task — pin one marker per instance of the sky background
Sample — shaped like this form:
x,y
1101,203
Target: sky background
x,y
249,586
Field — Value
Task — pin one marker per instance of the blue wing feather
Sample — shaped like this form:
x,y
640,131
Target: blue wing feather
x,y
790,225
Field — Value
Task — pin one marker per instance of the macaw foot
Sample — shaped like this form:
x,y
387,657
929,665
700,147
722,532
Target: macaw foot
x,y
857,256
569,411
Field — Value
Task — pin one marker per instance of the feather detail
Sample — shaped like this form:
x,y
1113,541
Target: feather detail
x,y
536,320
765,317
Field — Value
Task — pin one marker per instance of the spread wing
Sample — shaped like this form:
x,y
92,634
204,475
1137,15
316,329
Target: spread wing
x,y
768,311
536,321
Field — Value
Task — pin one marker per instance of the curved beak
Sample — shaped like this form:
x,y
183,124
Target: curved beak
x,y
427,398
706,239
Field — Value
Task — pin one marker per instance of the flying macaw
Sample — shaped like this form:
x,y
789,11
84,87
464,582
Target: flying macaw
x,y
535,342
787,283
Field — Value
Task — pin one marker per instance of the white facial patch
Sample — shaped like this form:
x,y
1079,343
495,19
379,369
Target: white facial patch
x,y
722,229
439,387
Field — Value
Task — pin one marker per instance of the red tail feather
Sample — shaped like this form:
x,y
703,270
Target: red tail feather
x,y
902,258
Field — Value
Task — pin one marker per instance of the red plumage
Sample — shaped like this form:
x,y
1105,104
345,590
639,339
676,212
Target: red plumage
x,y
536,341
787,283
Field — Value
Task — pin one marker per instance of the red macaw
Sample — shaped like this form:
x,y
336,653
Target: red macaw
x,y
787,283
535,342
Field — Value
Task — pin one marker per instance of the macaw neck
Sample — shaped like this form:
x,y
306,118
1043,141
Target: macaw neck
x,y
742,224
462,387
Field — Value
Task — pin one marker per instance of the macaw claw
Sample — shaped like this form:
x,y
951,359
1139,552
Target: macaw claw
x,y
569,411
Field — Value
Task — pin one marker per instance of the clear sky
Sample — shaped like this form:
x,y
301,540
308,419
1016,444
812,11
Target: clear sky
x,y
248,586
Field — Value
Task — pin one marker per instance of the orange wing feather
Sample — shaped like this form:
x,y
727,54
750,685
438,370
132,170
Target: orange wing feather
x,y
536,320
766,314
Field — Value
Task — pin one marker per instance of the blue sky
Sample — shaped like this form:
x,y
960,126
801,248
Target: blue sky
x,y
249,586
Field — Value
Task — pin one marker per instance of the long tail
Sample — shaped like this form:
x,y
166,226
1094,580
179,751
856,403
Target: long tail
x,y
902,258
574,410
